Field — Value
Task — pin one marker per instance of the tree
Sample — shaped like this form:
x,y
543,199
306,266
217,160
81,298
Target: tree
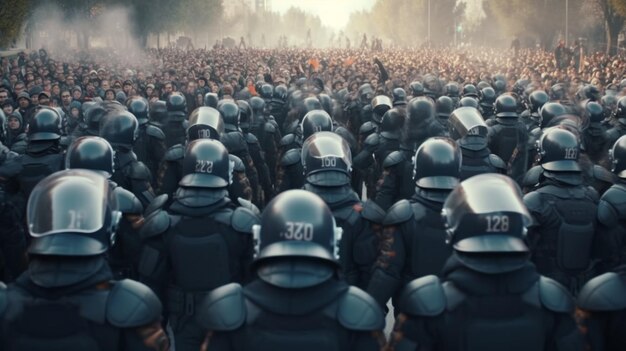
x,y
614,13
12,17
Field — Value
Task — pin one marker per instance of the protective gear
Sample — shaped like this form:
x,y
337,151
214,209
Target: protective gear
x,y
230,114
391,124
211,100
506,107
205,123
297,223
536,100
452,90
445,106
487,98
158,112
416,89
245,115
206,165
119,128
45,125
594,112
550,111
176,103
280,93
469,101
617,156
559,151
437,164
326,160
558,92
139,108
366,93
399,97
80,215
469,90
266,92
327,103
315,121
380,105
92,153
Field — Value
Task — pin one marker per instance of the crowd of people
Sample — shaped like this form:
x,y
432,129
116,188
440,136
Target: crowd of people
x,y
254,199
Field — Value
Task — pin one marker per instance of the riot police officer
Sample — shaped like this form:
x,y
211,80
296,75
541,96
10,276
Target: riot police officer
x,y
412,242
149,146
445,106
327,164
508,137
564,213
197,242
296,262
547,113
176,114
470,132
266,130
594,135
119,128
157,112
536,100
67,299
489,296
487,100
619,127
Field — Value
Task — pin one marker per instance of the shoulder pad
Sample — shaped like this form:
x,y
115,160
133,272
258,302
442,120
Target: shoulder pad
x,y
224,216
132,304
602,174
532,176
291,157
251,139
423,297
270,128
233,141
156,204
372,212
248,205
400,212
223,309
533,201
239,166
3,298
155,132
243,219
359,311
126,201
496,161
287,139
139,170
174,153
607,214
372,140
554,296
156,223
65,141
606,292
393,159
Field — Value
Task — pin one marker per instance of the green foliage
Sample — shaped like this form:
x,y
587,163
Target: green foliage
x,y
12,17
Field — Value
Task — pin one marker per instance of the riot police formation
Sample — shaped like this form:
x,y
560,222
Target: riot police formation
x,y
296,261
67,299
174,127
487,280
197,242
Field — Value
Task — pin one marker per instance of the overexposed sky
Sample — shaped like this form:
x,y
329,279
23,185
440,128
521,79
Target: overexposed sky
x,y
333,13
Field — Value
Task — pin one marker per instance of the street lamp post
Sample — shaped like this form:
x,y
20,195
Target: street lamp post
x,y
566,20
429,41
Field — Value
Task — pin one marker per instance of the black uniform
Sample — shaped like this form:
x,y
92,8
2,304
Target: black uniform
x,y
489,297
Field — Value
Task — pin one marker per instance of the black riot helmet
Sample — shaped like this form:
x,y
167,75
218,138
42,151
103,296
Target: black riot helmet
x,y
487,97
617,155
469,101
310,104
499,86
486,218
138,106
591,92
557,92
258,105
620,112
399,96
316,121
559,150
445,106
391,124
432,86
594,112
211,100
297,224
470,90
452,90
550,111
230,113
506,107
419,110
482,85
326,160
72,213
158,111
176,103
93,118
536,100
609,102
92,153
266,92
44,125
437,164
119,128
280,93
206,165
245,115
205,123
327,103
366,93
468,128
417,89
380,105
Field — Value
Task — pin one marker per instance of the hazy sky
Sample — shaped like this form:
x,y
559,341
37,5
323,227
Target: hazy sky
x,y
333,13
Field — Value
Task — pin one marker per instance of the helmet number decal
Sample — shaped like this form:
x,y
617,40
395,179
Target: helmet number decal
x,y
329,161
75,220
204,134
497,223
204,167
298,231
571,153
473,131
